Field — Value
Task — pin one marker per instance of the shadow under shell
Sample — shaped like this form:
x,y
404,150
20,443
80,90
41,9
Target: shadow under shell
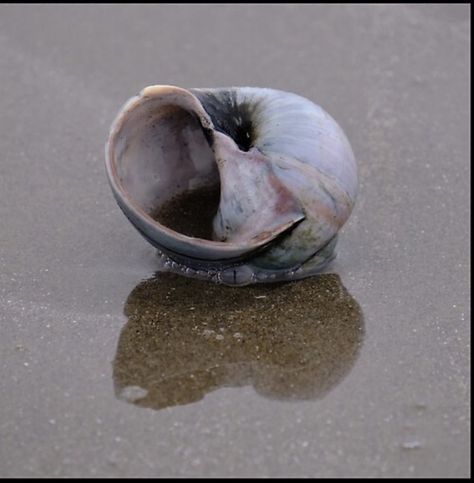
x,y
185,338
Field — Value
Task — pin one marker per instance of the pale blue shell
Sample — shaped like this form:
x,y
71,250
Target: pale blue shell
x,y
287,174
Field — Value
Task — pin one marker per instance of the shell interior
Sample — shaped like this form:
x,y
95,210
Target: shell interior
x,y
164,160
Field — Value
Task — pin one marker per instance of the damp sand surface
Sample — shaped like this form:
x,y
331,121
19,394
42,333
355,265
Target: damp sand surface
x,y
191,212
112,370
184,338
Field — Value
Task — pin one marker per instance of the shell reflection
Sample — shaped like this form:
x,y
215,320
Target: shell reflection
x,y
185,338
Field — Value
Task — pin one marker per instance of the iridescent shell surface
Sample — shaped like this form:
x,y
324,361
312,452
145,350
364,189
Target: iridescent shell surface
x,y
282,168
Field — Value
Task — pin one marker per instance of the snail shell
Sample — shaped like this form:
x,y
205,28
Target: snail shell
x,y
283,170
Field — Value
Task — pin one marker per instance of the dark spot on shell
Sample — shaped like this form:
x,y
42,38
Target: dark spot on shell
x,y
229,117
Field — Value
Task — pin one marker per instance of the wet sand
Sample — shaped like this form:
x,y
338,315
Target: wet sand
x,y
191,213
110,369
184,339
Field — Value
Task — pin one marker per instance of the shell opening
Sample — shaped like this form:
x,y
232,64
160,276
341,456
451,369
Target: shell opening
x,y
164,164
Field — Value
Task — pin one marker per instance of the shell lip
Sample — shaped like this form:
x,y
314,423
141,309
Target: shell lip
x,y
162,236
